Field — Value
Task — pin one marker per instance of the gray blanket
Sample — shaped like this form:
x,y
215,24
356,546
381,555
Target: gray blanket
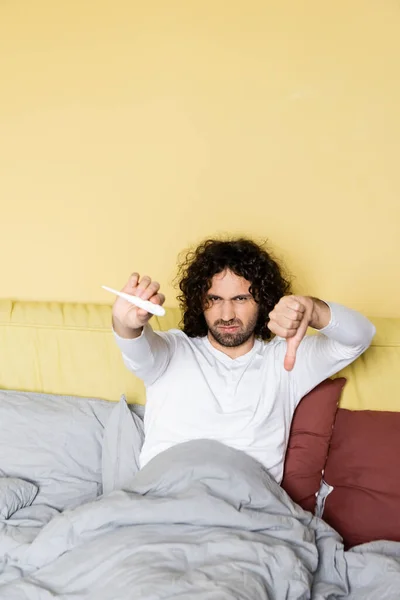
x,y
201,521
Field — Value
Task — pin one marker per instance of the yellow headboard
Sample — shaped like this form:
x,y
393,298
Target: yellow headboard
x,y
69,349
61,348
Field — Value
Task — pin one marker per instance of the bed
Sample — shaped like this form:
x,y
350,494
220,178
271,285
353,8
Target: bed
x,y
78,520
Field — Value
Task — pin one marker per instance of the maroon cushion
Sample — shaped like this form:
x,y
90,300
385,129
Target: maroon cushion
x,y
310,436
363,466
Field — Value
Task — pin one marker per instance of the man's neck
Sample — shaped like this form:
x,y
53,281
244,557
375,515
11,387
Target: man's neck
x,y
232,351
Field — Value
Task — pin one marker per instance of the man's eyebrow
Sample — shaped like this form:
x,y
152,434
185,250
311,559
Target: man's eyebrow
x,y
242,296
233,298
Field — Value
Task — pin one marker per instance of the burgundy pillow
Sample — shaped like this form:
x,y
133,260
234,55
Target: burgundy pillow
x,y
363,466
310,436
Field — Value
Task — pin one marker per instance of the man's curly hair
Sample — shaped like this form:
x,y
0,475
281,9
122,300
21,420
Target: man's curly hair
x,y
243,257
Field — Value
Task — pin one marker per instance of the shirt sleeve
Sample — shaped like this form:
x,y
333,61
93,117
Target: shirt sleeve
x,y
148,355
319,356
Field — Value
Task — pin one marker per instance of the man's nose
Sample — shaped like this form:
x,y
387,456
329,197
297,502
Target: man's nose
x,y
228,312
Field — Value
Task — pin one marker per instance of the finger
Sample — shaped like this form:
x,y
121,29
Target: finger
x,y
281,331
286,321
292,345
143,285
150,291
131,283
290,356
158,299
290,313
297,306
288,307
287,313
294,302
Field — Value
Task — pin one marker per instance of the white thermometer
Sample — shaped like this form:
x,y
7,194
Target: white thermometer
x,y
154,309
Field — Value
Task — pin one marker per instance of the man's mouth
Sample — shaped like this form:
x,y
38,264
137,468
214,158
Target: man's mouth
x,y
229,328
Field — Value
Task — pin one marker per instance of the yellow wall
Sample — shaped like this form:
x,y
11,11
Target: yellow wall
x,y
131,129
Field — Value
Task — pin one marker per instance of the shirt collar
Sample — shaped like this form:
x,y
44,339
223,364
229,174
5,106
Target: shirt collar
x,y
240,360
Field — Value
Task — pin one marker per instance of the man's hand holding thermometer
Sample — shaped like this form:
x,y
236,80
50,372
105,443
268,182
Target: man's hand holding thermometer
x,y
135,305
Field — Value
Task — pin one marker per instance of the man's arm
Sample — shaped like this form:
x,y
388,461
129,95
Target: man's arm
x,y
291,317
321,314
146,355
144,352
347,335
344,335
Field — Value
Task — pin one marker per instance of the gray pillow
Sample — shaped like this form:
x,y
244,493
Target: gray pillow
x,y
122,442
54,442
15,494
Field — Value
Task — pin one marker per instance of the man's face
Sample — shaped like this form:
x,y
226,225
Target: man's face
x,y
232,312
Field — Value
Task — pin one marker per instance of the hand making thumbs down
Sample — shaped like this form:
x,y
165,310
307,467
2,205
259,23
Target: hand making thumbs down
x,y
290,319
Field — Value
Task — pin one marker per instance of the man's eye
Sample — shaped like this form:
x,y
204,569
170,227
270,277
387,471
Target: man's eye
x,y
241,298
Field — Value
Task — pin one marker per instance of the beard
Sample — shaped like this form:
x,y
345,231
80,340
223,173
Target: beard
x,y
235,338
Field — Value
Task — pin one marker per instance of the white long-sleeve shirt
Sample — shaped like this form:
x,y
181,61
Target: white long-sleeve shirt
x,y
194,391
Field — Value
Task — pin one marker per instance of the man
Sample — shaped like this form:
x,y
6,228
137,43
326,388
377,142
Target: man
x,y
222,377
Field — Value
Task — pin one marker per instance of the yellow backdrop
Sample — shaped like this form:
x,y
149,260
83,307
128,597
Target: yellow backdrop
x,y
130,130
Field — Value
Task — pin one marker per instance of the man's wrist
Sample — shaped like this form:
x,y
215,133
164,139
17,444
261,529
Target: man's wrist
x,y
321,314
125,332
